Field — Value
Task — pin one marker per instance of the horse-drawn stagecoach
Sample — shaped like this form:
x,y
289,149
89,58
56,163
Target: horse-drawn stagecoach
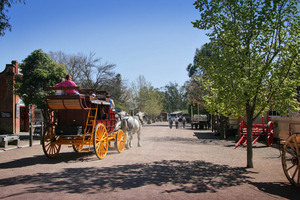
x,y
83,120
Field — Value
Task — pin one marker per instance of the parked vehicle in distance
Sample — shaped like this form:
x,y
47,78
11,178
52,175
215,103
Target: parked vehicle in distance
x,y
199,121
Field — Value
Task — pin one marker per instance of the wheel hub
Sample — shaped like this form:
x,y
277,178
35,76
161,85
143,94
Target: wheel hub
x,y
53,139
294,160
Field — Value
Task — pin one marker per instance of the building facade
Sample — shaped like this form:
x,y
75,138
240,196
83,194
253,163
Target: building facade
x,y
14,115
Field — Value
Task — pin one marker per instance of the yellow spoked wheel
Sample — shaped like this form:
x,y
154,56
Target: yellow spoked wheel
x,y
100,141
50,147
291,159
120,141
77,148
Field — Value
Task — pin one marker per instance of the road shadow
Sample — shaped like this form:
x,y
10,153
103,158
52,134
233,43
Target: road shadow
x,y
284,190
206,135
41,159
27,137
187,176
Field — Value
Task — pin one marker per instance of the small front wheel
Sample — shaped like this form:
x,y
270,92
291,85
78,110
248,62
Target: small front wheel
x,y
100,140
120,141
50,147
77,148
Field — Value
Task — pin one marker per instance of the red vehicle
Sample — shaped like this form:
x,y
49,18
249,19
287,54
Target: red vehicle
x,y
83,121
258,130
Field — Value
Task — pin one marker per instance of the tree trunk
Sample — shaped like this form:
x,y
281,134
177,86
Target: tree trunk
x,y
47,117
223,127
249,138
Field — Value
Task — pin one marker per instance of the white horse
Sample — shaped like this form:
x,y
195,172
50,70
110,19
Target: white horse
x,y
131,125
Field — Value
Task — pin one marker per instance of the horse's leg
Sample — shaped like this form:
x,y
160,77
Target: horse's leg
x,y
139,138
127,141
130,140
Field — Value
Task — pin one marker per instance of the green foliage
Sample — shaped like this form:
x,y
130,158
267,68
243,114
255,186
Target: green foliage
x,y
153,106
194,108
194,91
145,98
255,48
38,71
4,19
194,71
255,58
174,98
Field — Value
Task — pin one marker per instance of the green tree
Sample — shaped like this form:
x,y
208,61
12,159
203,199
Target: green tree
x,y
118,91
196,92
174,98
193,86
4,19
194,70
153,106
38,71
256,49
145,98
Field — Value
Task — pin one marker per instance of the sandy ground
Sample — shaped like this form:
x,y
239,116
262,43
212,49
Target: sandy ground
x,y
171,164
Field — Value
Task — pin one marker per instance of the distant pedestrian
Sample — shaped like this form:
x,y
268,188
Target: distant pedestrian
x,y
183,122
170,122
176,122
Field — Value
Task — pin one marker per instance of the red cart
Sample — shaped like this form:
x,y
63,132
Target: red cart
x,y
258,131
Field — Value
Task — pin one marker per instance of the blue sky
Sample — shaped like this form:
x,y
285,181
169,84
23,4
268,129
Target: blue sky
x,y
153,38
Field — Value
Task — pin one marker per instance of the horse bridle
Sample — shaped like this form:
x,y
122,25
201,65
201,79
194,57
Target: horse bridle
x,y
140,119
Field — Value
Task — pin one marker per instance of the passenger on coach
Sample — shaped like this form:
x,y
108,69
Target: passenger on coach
x,y
68,83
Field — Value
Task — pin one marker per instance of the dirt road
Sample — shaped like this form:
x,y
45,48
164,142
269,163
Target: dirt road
x,y
171,164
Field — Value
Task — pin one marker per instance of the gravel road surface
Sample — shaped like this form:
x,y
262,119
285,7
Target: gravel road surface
x,y
171,164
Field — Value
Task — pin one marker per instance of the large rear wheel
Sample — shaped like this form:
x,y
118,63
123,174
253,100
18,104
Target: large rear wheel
x,y
291,159
50,147
100,140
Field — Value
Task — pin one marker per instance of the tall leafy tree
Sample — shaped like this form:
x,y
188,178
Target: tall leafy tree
x,y
195,72
118,91
4,19
153,106
145,98
174,98
255,66
195,91
38,71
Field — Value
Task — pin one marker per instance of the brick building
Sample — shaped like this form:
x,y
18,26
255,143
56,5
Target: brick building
x,y
14,116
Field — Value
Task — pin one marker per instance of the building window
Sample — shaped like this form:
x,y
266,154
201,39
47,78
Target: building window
x,y
274,113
